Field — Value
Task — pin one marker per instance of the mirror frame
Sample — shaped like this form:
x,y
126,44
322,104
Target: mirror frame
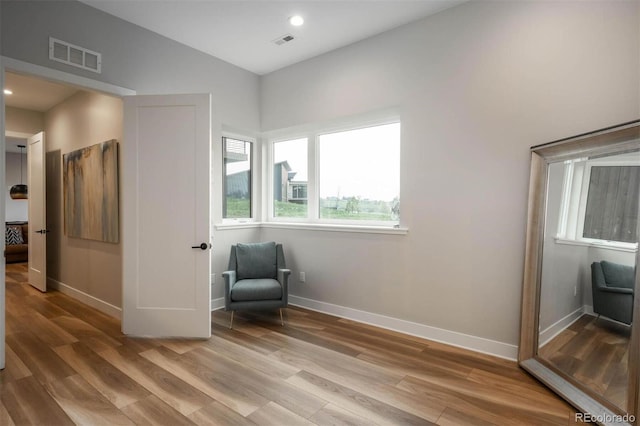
x,y
612,139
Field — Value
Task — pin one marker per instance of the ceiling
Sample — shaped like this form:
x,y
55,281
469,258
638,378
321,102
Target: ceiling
x,y
242,31
33,93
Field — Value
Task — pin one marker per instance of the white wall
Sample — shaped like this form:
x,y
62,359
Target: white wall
x,y
476,85
15,210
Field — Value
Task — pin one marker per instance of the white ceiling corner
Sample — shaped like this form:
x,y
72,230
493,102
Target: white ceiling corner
x,y
241,31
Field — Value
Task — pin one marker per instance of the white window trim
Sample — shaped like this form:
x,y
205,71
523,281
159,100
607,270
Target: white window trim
x,y
306,226
254,184
312,134
574,204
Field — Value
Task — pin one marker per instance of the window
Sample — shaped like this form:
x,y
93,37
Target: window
x,y
290,178
612,203
236,178
600,200
360,174
346,176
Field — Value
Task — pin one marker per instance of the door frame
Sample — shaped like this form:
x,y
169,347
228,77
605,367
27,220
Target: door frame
x,y
38,71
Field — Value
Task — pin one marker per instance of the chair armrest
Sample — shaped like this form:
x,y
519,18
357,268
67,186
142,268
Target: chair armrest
x,y
229,281
620,290
283,279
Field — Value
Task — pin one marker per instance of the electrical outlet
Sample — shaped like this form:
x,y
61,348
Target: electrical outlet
x,y
575,291
213,279
303,277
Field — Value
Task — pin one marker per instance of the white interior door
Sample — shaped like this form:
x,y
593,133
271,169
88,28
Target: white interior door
x,y
36,181
165,216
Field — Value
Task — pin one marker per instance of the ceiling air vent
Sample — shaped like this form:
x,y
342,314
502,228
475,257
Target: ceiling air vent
x,y
283,39
67,53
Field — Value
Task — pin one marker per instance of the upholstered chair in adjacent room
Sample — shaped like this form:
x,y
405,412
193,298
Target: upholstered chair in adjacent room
x,y
613,288
257,278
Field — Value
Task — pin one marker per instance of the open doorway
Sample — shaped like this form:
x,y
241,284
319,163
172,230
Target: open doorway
x,y
16,208
71,118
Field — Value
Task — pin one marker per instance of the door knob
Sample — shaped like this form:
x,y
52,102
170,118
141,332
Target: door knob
x,y
42,231
202,246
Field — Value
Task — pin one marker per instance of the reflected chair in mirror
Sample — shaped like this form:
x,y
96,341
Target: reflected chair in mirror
x,y
257,278
613,286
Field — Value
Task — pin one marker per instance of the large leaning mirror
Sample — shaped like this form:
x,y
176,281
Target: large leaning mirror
x,y
580,307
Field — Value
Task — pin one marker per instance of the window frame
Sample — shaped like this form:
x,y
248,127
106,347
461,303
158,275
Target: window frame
x,y
253,211
577,176
312,133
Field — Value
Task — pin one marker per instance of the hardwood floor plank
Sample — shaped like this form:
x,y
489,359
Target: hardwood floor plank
x,y
5,418
451,417
15,369
303,354
39,358
251,359
85,333
356,402
272,389
276,415
496,406
221,387
333,415
28,403
254,343
84,404
153,411
218,414
183,397
47,331
112,383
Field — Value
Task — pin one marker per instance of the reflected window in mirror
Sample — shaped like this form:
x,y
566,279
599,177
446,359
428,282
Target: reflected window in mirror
x,y
600,201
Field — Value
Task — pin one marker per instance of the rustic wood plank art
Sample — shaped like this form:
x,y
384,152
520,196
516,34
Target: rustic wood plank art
x,y
90,180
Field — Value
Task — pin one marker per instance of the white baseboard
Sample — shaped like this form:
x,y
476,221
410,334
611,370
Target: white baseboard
x,y
559,326
85,298
466,341
217,304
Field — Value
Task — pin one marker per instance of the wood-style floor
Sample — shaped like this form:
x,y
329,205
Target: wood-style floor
x,y
69,364
594,351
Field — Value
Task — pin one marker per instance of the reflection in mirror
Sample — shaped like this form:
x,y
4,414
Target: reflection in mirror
x,y
588,271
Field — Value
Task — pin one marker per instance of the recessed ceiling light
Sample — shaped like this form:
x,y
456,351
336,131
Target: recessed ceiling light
x,y
8,92
296,20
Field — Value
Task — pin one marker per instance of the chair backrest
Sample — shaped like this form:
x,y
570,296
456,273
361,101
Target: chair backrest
x,y
254,260
616,275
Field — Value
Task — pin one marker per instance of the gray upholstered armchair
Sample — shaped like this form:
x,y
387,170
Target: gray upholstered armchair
x,y
257,278
612,286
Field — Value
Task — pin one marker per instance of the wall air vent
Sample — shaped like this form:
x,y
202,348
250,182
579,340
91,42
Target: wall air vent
x,y
67,53
283,39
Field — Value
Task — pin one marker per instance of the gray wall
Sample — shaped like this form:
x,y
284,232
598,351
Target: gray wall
x,y
476,85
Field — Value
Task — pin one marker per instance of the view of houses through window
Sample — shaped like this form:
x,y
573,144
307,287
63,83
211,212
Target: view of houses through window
x,y
290,178
237,179
358,175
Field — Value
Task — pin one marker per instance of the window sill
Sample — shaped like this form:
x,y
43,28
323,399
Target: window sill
x,y
328,227
602,245
236,225
332,227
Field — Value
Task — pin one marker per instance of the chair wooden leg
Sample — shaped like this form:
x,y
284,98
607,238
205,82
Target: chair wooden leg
x,y
231,323
281,319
